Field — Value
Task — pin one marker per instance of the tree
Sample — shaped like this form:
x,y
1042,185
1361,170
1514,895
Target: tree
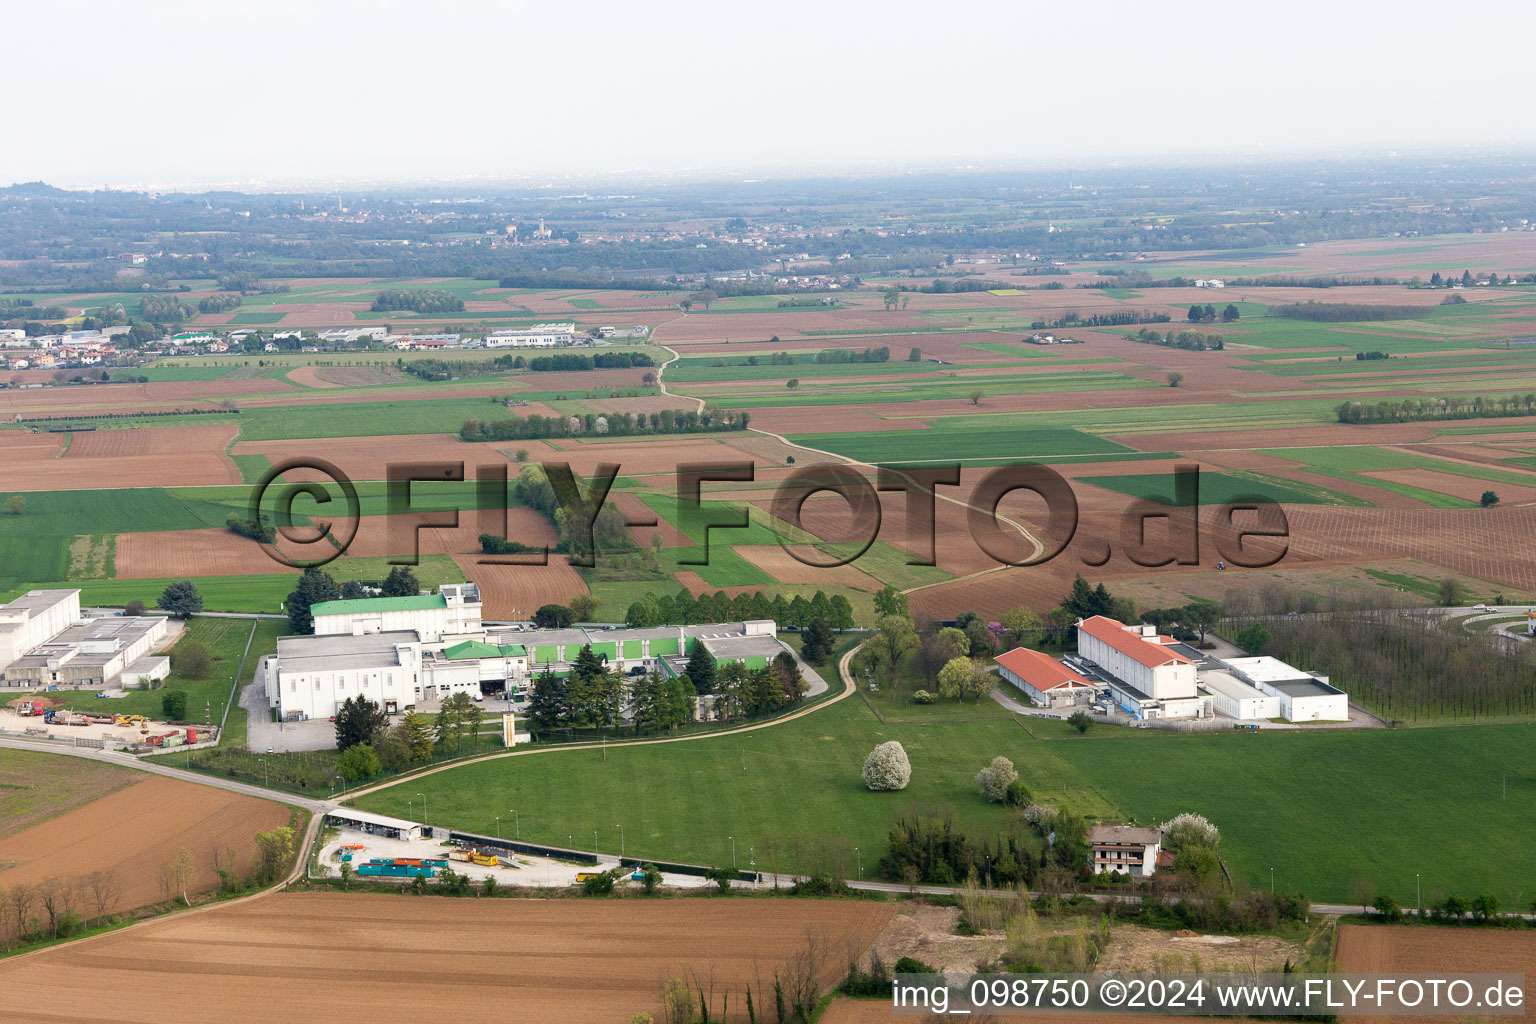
x,y
191,660
553,616
1489,499
700,669
894,637
105,887
182,600
915,356
19,901
950,643
890,601
1023,626
1231,313
839,612
400,582
976,396
358,721
1253,639
887,768
273,848
1186,830
358,762
16,504
1080,721
995,778
1450,593
173,704
583,607
181,871
134,608
1388,908
1175,379
792,383
1202,614
965,679
417,734
816,642
547,703
315,587
983,642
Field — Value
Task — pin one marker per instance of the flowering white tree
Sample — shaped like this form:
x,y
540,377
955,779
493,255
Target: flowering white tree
x,y
1187,830
887,767
995,778
1040,816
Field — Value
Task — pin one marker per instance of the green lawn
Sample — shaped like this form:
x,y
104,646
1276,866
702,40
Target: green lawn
x,y
1323,808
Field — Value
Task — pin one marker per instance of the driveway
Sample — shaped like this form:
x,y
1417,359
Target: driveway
x,y
282,737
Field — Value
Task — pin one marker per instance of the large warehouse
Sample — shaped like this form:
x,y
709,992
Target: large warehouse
x,y
32,618
1146,675
44,641
1299,696
400,652
1044,680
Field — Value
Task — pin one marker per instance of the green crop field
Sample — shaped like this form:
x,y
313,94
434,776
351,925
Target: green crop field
x,y
254,318
1220,488
947,439
131,510
801,778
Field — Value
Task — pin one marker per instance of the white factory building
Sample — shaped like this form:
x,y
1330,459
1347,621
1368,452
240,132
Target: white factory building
x,y
401,651
538,336
1151,676
44,641
1299,696
1145,675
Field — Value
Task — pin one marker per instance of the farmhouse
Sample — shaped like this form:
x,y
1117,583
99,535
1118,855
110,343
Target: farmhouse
x,y
1045,680
1125,849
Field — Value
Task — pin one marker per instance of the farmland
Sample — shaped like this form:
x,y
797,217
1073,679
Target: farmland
x,y
35,787
342,949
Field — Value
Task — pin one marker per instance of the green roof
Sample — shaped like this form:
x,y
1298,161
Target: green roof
x,y
380,604
471,649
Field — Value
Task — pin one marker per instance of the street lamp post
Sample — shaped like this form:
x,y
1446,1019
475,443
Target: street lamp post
x,y
263,773
1418,891
621,841
594,842
517,830
1271,881
498,826
423,809
733,851
859,858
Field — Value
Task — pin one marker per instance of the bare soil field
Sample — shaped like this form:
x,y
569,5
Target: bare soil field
x,y
190,553
1465,487
309,377
124,398
312,957
1420,949
878,1011
634,455
515,592
785,568
373,533
19,445
135,831
193,469
177,441
368,458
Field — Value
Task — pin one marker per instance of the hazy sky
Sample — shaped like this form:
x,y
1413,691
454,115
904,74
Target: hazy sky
x,y
166,91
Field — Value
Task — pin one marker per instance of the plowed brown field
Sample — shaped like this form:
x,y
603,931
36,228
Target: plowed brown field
x,y
369,458
785,568
1415,949
516,591
373,534
187,554
136,831
178,441
878,1011
333,956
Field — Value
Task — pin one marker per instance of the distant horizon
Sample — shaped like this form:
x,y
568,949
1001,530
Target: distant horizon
x,y
171,93
649,178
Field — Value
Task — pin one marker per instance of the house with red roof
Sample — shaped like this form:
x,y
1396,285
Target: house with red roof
x,y
1044,680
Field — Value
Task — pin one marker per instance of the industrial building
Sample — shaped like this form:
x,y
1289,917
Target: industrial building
x,y
538,336
44,642
401,651
1151,676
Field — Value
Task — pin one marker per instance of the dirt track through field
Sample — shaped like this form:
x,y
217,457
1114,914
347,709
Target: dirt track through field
x,y
332,956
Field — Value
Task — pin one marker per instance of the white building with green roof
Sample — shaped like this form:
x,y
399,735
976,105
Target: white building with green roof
x,y
453,613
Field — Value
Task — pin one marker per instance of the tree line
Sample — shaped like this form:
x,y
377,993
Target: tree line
x,y
683,609
667,421
1195,341
1414,410
1342,312
418,300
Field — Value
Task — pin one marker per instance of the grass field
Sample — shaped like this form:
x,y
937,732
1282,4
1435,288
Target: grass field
x,y
36,786
1354,804
948,438
1220,488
